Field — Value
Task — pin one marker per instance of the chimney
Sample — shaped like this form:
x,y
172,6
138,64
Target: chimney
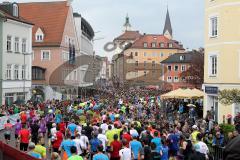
x,y
69,2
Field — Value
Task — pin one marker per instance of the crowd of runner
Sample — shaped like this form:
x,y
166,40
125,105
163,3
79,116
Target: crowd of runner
x,y
120,126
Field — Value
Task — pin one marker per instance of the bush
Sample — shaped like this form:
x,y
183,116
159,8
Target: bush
x,y
226,128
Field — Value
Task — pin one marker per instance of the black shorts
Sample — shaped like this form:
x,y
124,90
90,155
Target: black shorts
x,y
16,136
7,136
23,146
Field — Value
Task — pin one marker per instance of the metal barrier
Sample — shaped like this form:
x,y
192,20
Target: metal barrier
x,y
9,153
218,152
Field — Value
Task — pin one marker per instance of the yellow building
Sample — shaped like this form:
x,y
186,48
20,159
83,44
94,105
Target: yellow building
x,y
140,60
222,54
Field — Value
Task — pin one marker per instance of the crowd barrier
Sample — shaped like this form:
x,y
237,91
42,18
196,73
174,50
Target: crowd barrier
x,y
9,153
218,153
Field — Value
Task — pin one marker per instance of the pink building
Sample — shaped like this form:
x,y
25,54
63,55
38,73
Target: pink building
x,y
173,66
54,73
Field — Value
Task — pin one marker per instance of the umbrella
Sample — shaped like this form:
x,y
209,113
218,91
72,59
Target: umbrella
x,y
191,105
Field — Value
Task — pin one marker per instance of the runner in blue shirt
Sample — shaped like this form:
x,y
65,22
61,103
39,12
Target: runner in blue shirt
x,y
136,147
157,141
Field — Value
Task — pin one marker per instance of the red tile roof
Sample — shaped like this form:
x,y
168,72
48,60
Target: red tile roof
x,y
9,16
151,38
49,16
129,35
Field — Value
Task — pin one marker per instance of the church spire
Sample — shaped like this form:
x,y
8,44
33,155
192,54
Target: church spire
x,y
168,27
127,26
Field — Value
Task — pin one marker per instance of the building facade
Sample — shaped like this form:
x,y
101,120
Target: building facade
x,y
222,56
174,67
138,61
85,35
55,48
16,55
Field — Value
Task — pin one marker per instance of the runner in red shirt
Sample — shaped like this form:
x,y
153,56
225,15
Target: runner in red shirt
x,y
8,127
24,136
62,127
23,117
115,148
127,137
59,138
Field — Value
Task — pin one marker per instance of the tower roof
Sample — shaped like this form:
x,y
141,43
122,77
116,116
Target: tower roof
x,y
127,24
168,26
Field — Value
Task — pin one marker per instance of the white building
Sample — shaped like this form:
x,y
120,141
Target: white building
x,y
15,57
85,34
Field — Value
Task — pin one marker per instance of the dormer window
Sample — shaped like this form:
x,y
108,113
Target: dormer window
x,y
170,45
15,10
182,58
153,45
39,36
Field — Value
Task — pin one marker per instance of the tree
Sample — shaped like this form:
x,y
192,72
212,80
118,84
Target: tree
x,y
195,73
229,96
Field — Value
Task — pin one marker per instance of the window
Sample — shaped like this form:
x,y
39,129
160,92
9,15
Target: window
x,y
145,54
183,68
33,55
176,79
213,65
213,27
153,73
23,72
9,72
9,43
38,73
161,54
145,45
169,68
183,79
182,58
17,44
136,53
24,45
75,75
136,63
170,45
145,74
16,72
145,63
175,68
169,79
15,10
45,55
153,63
65,56
154,45
162,45
39,38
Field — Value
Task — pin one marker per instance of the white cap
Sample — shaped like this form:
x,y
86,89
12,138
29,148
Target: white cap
x,y
194,127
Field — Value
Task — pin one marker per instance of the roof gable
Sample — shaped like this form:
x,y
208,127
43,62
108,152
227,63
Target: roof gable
x,y
49,15
129,35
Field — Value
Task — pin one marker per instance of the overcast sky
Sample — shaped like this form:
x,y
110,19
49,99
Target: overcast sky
x,y
147,16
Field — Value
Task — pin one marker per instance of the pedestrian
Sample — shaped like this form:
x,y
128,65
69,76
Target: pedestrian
x,y
136,147
31,151
8,128
24,137
125,152
100,155
115,148
74,156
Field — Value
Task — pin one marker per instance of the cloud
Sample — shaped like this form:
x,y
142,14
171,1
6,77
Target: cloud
x,y
147,16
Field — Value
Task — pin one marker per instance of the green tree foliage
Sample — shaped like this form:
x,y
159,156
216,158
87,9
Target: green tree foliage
x,y
229,96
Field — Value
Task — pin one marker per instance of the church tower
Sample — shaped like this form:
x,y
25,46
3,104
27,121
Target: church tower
x,y
167,32
127,26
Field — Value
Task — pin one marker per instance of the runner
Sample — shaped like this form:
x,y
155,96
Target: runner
x,y
8,128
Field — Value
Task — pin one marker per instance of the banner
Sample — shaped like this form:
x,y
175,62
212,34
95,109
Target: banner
x,y
12,118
